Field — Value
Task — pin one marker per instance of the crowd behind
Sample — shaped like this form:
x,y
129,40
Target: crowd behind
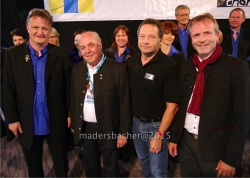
x,y
184,95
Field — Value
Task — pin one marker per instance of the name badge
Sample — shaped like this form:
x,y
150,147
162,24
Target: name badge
x,y
149,76
90,99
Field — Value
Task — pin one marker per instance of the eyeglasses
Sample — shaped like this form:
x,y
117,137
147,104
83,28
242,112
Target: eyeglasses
x,y
54,37
183,15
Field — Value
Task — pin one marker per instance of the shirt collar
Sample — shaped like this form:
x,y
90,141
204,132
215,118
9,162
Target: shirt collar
x,y
206,57
179,28
34,52
238,32
155,59
95,67
172,51
126,50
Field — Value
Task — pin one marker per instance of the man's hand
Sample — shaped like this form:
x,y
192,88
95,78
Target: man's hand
x,y
15,128
156,143
172,148
69,122
224,170
121,140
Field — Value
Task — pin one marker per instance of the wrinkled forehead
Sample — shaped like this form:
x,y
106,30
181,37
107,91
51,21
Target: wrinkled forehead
x,y
85,40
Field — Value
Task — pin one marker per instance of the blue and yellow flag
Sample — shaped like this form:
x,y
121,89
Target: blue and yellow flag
x,y
71,6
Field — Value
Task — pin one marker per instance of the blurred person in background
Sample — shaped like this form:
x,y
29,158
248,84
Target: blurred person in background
x,y
121,49
54,37
18,36
75,55
170,30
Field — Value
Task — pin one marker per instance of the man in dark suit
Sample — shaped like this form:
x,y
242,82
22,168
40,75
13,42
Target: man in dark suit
x,y
100,106
183,41
211,124
236,41
35,94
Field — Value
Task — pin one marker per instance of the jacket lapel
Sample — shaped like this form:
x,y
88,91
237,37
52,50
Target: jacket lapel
x,y
242,45
26,58
50,61
228,37
208,71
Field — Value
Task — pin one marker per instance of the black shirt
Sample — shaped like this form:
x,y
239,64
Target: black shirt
x,y
152,85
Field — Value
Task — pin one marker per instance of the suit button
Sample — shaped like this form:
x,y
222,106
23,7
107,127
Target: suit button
x,y
80,128
83,91
81,104
221,134
80,116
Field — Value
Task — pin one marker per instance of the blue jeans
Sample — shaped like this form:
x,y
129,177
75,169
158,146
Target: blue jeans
x,y
153,165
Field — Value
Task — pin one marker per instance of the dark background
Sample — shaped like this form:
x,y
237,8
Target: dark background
x,y
14,14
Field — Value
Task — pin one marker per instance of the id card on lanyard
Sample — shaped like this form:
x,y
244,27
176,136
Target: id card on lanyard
x,y
89,98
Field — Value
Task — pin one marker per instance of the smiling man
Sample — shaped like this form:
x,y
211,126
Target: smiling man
x,y
211,125
100,106
153,81
36,84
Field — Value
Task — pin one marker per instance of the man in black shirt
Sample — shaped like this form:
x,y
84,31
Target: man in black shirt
x,y
153,80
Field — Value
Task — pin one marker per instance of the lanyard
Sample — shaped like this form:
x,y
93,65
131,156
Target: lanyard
x,y
91,84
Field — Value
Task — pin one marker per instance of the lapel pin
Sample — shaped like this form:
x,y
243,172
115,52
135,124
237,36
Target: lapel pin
x,y
27,58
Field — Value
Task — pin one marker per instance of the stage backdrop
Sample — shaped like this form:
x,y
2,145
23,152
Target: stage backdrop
x,y
104,10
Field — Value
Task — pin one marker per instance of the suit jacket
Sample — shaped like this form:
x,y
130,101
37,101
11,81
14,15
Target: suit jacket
x,y
126,56
178,58
244,43
190,48
111,100
225,114
3,50
18,91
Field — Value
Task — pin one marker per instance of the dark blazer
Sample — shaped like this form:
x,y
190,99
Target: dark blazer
x,y
178,58
126,56
111,99
190,49
225,113
244,43
18,92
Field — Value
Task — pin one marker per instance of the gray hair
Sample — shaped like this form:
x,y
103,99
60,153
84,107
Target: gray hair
x,y
181,7
93,33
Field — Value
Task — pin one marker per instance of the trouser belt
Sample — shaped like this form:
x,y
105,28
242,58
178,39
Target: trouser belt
x,y
196,137
144,120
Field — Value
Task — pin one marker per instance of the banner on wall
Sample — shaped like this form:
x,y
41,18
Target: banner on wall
x,y
105,10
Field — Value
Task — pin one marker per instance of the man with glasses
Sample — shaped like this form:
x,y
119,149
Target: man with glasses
x,y
183,42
